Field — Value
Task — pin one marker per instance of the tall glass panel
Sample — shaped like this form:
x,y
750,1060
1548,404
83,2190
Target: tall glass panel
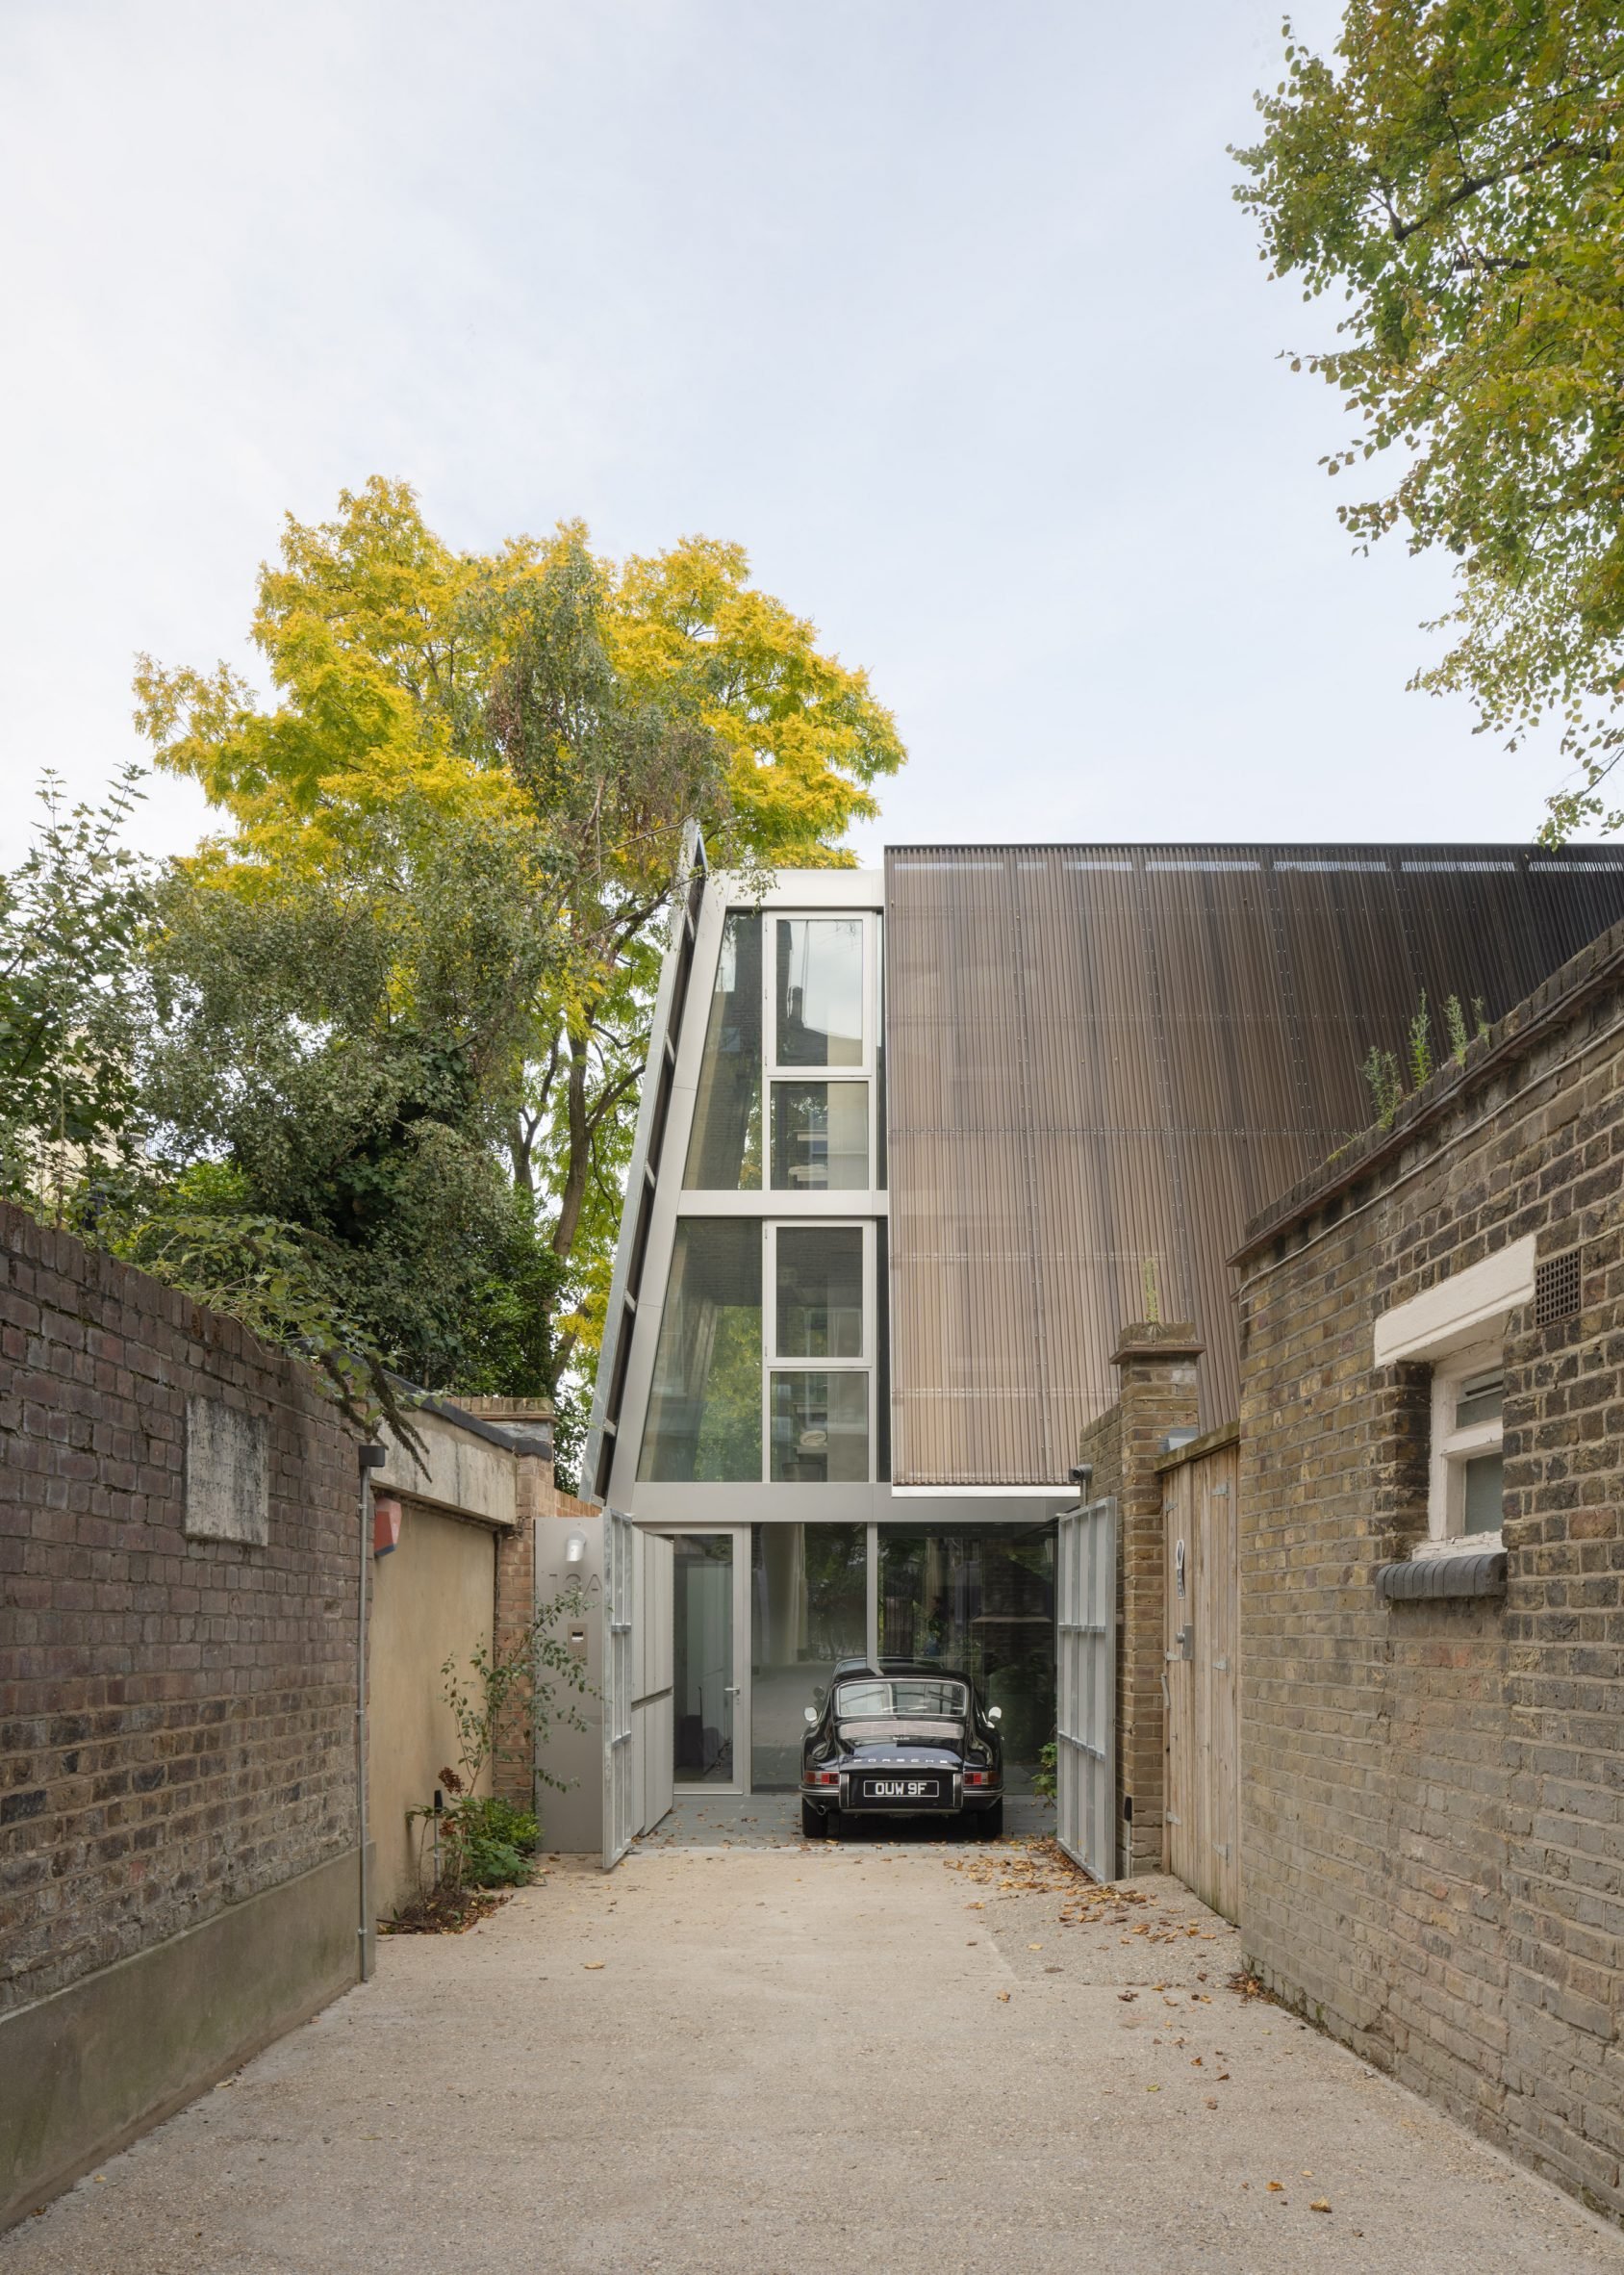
x,y
820,1137
821,1428
703,1686
981,1599
725,1147
820,992
819,1292
704,1408
809,1607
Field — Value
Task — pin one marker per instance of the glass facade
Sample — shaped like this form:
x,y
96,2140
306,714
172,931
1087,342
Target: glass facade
x,y
820,1137
981,1600
820,1428
704,1404
808,1608
818,991
819,1292
724,1147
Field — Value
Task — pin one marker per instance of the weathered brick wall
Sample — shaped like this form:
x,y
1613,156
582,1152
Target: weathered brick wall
x,y
176,1715
1433,1858
1156,1366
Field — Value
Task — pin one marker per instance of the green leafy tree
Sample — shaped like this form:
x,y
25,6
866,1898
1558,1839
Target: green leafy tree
x,y
1454,169
335,1056
73,917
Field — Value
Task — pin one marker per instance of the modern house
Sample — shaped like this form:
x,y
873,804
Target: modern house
x,y
915,1145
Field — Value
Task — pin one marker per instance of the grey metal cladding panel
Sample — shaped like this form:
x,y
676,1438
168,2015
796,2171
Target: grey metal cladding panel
x,y
1102,1059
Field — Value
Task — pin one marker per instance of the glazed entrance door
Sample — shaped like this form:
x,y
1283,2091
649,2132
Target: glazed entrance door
x,y
710,1661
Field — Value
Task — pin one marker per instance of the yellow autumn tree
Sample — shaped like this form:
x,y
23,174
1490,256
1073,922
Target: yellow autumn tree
x,y
574,711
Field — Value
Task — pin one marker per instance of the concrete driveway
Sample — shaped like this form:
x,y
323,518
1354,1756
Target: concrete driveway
x,y
776,2059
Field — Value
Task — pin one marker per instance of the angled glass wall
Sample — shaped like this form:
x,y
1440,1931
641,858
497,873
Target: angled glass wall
x,y
704,1405
724,1145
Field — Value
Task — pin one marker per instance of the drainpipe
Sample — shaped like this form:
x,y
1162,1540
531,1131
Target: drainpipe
x,y
372,1457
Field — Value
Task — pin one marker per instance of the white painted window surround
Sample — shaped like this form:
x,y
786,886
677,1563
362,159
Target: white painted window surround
x,y
1458,1327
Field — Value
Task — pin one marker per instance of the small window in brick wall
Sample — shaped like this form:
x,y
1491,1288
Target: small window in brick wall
x,y
1555,1286
1468,1474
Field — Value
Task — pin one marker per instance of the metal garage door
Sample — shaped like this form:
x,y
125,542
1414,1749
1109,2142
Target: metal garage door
x,y
1085,1682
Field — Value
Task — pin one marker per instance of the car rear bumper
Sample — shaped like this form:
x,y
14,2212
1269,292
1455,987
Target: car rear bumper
x,y
957,1799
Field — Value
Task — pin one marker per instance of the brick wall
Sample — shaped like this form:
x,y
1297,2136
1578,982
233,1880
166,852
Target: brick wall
x,y
1157,1366
1433,1859
176,1715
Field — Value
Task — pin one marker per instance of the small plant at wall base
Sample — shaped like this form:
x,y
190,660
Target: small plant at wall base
x,y
1044,1776
503,1707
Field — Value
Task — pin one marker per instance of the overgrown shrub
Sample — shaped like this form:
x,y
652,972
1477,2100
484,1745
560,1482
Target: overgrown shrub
x,y
495,1841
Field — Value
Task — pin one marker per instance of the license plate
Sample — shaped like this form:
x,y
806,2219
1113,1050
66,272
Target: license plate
x,y
901,1789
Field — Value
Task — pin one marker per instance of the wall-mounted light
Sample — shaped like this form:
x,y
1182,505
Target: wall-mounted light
x,y
575,1547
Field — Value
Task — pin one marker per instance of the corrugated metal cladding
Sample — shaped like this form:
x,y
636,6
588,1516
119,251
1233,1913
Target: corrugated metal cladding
x,y
1102,1059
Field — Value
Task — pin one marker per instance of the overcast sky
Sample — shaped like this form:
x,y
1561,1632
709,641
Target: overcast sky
x,y
943,310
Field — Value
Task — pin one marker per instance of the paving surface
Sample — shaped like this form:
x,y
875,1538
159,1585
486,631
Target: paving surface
x,y
701,1820
756,2059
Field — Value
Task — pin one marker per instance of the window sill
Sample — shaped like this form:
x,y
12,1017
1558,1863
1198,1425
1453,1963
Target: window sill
x,y
1460,1543
1429,1579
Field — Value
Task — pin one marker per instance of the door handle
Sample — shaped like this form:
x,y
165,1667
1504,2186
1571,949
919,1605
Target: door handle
x,y
730,1690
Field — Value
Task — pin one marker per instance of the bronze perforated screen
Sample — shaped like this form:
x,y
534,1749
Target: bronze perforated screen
x,y
1102,1060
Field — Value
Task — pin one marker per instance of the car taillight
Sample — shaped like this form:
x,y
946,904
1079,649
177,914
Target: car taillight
x,y
823,1777
977,1777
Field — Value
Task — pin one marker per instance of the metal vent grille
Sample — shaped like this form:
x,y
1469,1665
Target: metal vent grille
x,y
1556,1288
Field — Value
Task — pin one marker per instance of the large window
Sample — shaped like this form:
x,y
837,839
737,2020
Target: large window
x,y
820,992
981,1602
704,1404
818,1365
724,1149
809,1607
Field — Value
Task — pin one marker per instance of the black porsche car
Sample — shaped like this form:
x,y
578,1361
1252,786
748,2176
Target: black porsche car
x,y
901,1738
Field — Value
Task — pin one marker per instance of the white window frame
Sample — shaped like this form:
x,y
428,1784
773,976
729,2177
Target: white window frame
x,y
1458,1328
772,1362
866,1069
1452,1449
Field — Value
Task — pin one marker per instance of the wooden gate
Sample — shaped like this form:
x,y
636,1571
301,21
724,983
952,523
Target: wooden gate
x,y
1202,1675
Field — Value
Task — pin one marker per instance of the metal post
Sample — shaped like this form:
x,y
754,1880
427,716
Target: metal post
x,y
372,1457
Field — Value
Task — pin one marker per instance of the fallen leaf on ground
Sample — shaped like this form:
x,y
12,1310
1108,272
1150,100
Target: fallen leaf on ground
x,y
592,1966
1277,2188
1319,2204
1004,1997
